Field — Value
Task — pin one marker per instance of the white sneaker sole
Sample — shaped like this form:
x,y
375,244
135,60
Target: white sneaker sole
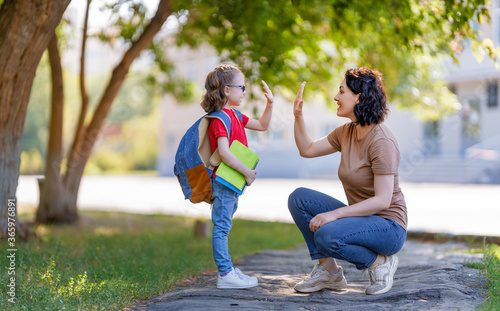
x,y
229,286
321,286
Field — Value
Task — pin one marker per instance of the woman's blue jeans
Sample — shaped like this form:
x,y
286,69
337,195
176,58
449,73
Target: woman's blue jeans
x,y
224,205
357,240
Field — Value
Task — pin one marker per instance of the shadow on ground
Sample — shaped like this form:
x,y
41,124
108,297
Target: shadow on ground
x,y
430,277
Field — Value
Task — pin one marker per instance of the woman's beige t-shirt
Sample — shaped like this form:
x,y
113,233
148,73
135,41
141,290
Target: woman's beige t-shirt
x,y
375,153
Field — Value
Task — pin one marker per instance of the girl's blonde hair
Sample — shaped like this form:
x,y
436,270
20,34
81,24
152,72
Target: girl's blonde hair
x,y
214,99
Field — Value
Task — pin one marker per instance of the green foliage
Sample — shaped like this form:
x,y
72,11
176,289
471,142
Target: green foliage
x,y
111,259
133,111
163,78
36,128
492,270
128,18
136,99
288,41
133,148
32,162
127,22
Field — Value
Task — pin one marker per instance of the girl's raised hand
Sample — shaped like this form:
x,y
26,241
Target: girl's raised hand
x,y
297,104
268,93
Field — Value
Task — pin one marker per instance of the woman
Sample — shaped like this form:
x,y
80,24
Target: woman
x,y
371,229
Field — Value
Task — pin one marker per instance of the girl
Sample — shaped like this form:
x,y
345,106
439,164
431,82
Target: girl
x,y
225,88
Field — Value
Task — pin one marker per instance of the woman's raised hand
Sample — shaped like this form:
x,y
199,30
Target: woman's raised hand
x,y
297,104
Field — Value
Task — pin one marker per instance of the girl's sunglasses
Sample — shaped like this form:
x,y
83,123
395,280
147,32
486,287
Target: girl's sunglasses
x,y
242,87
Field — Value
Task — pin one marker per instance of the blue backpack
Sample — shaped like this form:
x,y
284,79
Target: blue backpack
x,y
194,162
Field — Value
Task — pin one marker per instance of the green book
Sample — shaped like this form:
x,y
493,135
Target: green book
x,y
231,177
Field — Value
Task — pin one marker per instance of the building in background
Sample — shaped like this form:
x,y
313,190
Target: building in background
x,y
461,147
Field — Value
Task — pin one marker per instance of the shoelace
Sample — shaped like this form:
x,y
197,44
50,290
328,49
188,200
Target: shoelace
x,y
371,274
240,274
315,272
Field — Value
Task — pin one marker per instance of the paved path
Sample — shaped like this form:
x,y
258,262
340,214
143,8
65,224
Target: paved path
x,y
438,208
430,277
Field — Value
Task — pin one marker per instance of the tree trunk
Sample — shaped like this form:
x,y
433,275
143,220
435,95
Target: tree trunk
x,y
55,199
62,202
26,27
51,209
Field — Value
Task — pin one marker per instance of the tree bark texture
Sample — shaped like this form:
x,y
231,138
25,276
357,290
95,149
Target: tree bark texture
x,y
85,137
26,27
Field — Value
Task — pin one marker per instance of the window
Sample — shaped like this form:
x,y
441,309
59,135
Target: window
x,y
493,94
470,122
432,139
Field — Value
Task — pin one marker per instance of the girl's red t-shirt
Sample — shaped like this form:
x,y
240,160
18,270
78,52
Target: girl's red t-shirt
x,y
217,129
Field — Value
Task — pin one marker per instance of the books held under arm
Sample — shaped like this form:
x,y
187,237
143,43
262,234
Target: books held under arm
x,y
230,177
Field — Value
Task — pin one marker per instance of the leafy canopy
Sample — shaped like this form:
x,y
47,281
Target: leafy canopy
x,y
286,42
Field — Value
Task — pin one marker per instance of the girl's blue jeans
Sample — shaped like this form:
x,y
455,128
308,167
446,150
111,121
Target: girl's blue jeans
x,y
224,205
357,240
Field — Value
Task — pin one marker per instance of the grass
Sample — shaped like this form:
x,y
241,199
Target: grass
x,y
491,262
110,260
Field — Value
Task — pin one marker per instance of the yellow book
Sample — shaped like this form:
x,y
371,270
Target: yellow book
x,y
229,176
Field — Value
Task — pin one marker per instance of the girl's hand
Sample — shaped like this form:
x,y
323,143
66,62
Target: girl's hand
x,y
268,93
321,219
297,104
250,177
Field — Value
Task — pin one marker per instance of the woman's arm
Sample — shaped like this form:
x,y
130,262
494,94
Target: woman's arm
x,y
383,186
263,123
307,147
230,159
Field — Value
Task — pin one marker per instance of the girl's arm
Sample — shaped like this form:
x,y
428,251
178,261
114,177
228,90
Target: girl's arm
x,y
307,147
263,123
230,159
383,186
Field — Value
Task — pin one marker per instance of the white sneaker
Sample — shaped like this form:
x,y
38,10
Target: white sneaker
x,y
243,275
382,276
236,279
320,278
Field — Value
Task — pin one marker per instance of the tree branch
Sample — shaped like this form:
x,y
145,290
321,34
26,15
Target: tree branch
x,y
54,153
83,90
84,145
121,70
74,152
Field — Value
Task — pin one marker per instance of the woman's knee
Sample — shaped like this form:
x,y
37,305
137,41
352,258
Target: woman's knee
x,y
398,245
295,197
325,240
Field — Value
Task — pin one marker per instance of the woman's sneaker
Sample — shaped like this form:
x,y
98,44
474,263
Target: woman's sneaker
x,y
320,278
382,276
236,279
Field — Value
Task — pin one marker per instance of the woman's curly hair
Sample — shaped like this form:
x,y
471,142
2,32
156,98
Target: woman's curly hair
x,y
372,106
214,99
